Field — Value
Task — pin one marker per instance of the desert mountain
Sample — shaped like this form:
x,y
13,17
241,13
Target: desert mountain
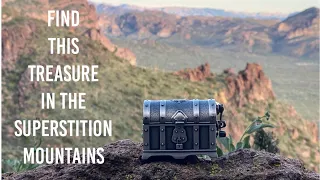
x,y
295,36
187,11
298,35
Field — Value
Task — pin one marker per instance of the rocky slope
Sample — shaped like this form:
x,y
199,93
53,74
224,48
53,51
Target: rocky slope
x,y
122,162
296,36
89,24
10,49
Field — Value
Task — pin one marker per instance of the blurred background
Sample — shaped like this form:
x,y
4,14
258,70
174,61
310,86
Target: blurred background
x,y
253,56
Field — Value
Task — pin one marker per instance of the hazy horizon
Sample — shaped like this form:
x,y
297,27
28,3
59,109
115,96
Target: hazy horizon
x,y
249,6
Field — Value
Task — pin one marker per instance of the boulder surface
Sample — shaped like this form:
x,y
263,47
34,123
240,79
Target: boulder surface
x,y
122,161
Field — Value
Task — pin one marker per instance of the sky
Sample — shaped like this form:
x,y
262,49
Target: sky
x,y
270,6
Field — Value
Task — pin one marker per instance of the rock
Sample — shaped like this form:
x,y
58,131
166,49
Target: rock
x,y
13,41
96,35
126,54
165,32
229,71
122,162
187,36
4,2
127,23
249,85
198,74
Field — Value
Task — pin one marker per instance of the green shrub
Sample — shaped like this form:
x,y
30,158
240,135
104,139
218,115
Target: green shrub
x,y
17,165
244,142
265,141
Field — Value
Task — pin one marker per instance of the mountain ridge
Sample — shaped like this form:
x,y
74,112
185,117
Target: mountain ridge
x,y
287,37
190,11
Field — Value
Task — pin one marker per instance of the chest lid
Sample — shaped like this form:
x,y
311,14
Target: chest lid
x,y
182,110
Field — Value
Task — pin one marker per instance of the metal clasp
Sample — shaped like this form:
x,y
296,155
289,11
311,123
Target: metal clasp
x,y
179,135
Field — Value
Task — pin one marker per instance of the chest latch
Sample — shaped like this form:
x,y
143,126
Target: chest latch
x,y
179,135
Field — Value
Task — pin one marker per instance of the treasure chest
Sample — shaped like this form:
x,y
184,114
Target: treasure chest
x,y
180,128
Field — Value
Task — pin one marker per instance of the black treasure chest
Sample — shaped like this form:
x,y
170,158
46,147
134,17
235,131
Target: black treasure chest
x,y
180,128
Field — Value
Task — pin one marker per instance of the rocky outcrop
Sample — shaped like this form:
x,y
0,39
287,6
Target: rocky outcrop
x,y
124,53
122,162
13,41
96,35
248,85
139,24
198,74
90,20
